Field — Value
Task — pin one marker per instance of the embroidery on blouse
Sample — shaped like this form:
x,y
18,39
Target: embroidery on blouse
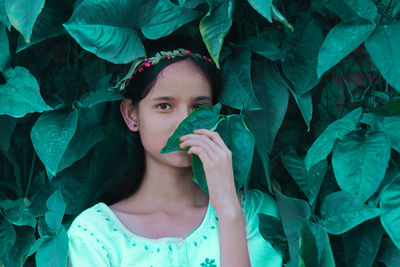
x,y
208,263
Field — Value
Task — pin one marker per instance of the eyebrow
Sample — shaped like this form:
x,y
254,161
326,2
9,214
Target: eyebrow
x,y
172,99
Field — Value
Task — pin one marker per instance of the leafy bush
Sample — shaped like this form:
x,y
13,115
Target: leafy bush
x,y
318,82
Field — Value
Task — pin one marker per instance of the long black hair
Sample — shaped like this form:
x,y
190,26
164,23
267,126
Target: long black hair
x,y
136,90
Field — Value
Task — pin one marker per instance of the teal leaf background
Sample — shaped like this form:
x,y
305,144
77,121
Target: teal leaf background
x,y
20,94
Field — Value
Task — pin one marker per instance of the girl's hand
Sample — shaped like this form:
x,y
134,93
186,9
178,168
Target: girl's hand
x,y
217,164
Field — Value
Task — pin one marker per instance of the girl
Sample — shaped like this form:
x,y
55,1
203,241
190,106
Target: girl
x,y
166,219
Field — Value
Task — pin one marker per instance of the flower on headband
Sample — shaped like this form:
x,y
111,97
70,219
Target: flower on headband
x,y
139,63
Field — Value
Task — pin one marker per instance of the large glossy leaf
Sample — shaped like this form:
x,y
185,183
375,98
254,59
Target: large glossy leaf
x,y
53,252
3,15
240,141
51,135
25,239
56,209
109,29
293,212
382,48
359,162
341,41
304,102
7,239
4,48
215,25
237,88
272,231
88,132
391,126
341,211
390,206
23,14
300,62
325,254
322,147
204,117
389,254
264,45
49,23
20,94
308,246
17,213
361,244
273,97
263,7
349,8
309,181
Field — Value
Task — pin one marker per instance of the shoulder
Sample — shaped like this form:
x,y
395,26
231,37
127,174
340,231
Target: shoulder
x,y
88,221
256,201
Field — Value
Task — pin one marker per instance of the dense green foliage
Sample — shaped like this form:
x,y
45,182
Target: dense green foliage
x,y
311,89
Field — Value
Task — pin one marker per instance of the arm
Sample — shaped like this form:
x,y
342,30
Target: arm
x,y
232,236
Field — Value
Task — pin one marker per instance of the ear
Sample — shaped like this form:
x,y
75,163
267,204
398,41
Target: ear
x,y
130,114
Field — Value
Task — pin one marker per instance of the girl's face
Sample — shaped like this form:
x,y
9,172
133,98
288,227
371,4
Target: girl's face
x,y
179,88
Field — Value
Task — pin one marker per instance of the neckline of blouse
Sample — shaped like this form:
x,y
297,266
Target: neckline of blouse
x,y
196,232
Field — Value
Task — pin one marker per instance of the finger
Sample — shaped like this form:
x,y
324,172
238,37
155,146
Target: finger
x,y
215,136
202,141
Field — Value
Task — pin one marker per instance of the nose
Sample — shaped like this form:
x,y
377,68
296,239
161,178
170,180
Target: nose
x,y
182,114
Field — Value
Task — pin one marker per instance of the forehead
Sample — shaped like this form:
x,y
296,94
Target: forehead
x,y
181,78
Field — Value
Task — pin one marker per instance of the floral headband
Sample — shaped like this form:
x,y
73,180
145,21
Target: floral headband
x,y
139,64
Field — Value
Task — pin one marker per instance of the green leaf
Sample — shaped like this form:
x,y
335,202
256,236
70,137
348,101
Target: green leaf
x,y
390,206
389,254
17,213
293,212
165,18
323,145
308,247
56,208
264,46
325,254
20,94
361,244
279,17
272,231
7,128
309,181
349,8
4,48
49,23
23,14
53,252
237,87
7,239
25,239
215,25
88,132
110,29
359,162
100,95
341,211
51,134
241,142
382,48
204,117
341,41
3,15
390,126
273,97
300,62
263,7
305,105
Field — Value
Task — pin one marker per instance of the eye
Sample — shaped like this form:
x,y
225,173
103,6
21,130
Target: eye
x,y
199,105
162,105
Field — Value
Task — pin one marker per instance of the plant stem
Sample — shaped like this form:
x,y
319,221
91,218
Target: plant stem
x,y
30,174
